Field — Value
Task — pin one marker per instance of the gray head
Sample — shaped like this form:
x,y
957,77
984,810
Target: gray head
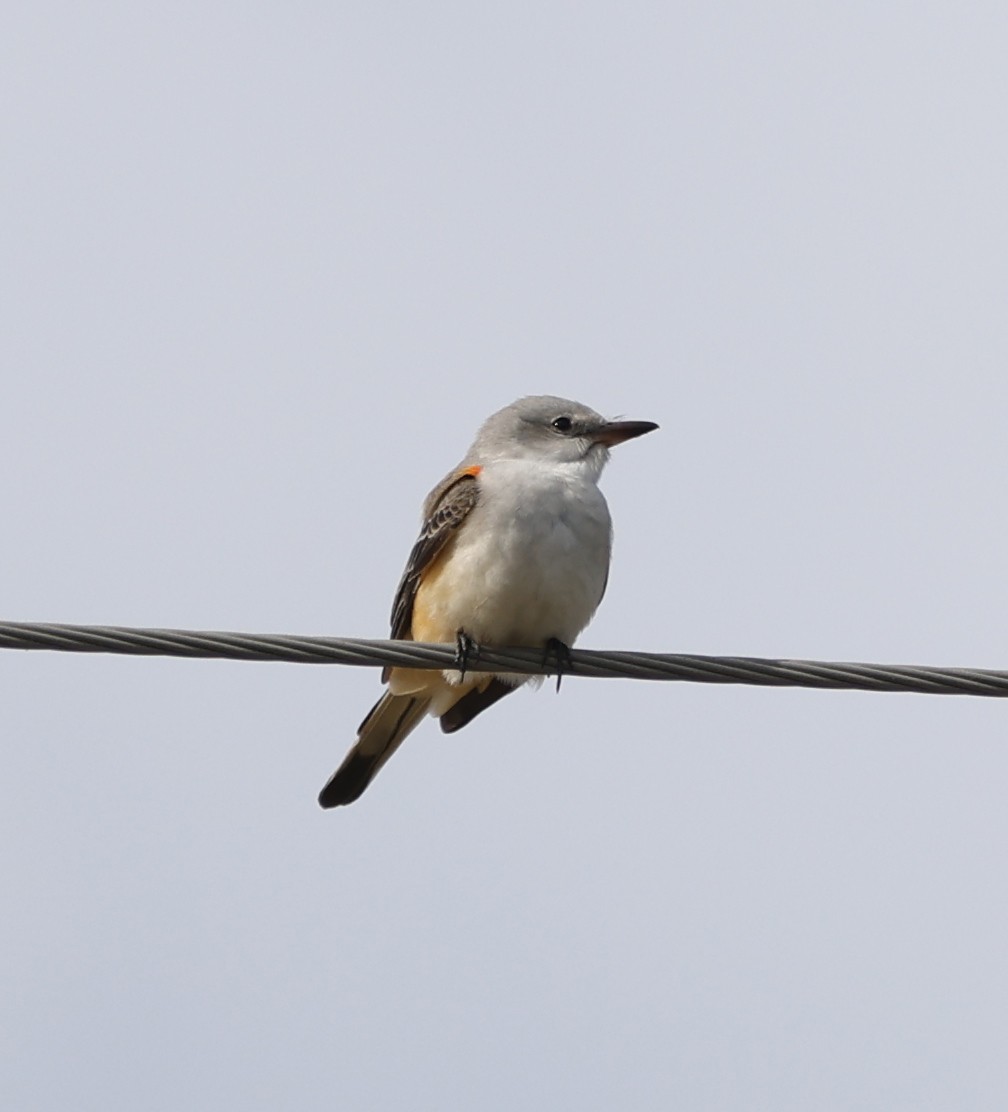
x,y
553,429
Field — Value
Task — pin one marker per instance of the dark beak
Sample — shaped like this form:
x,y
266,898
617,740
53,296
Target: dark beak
x,y
615,432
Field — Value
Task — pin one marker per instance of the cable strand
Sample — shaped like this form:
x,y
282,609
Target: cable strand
x,y
597,664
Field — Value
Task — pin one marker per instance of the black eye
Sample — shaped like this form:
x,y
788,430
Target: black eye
x,y
562,424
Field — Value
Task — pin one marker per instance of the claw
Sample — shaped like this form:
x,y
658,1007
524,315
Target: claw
x,y
467,651
561,653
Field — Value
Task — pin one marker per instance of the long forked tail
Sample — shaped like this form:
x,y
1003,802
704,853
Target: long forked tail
x,y
379,736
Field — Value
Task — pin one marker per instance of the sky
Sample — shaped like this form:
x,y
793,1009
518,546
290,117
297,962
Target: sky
x,y
266,269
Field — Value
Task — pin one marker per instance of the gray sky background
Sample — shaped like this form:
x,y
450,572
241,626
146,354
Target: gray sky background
x,y
266,268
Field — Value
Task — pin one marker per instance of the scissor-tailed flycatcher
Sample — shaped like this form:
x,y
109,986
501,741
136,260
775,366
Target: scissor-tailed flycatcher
x,y
513,551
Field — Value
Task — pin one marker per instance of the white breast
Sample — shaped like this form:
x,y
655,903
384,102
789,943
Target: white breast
x,y
531,561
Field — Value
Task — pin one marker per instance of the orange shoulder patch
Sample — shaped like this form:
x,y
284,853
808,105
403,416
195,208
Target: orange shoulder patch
x,y
474,470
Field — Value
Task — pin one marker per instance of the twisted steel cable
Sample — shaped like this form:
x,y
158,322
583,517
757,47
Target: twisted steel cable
x,y
583,662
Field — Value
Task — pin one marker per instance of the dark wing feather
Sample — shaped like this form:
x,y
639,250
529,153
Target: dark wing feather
x,y
447,507
474,702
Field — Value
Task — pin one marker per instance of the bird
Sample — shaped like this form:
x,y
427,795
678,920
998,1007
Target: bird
x,y
514,551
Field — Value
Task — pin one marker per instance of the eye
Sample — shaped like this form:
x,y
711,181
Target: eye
x,y
563,424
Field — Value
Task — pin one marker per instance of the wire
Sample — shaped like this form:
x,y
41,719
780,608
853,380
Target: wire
x,y
582,662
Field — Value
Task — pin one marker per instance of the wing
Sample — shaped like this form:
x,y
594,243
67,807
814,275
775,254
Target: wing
x,y
446,508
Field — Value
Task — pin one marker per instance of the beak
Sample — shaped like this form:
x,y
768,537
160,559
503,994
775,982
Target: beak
x,y
615,432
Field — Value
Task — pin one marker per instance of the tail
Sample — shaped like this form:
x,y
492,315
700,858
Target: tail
x,y
378,737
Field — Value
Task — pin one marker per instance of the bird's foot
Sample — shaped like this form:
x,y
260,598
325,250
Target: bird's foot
x,y
561,653
467,651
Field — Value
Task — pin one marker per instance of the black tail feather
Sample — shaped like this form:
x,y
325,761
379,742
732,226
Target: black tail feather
x,y
380,735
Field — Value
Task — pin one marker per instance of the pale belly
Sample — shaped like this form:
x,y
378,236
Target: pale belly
x,y
528,565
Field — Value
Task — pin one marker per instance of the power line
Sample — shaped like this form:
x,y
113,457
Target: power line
x,y
583,662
